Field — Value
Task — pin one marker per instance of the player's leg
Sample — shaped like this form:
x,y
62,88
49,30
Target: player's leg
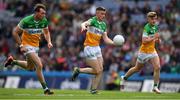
x,y
156,64
77,71
87,70
34,58
28,65
96,80
141,59
23,64
91,61
96,68
138,66
133,70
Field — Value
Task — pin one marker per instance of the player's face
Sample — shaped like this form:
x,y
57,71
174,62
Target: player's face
x,y
100,14
41,13
152,20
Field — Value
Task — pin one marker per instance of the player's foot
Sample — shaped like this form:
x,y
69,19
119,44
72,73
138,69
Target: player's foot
x,y
48,92
122,83
156,90
94,91
8,61
75,73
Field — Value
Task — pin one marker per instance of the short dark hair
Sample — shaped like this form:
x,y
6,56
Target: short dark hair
x,y
38,6
101,8
151,14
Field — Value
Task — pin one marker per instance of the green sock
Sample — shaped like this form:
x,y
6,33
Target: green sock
x,y
14,62
155,84
44,85
125,78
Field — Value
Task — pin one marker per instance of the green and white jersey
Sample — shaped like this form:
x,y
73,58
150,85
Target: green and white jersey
x,y
32,30
149,30
94,32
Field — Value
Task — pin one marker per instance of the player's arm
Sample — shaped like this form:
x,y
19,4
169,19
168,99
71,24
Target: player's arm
x,y
47,37
147,39
150,38
158,39
106,39
16,32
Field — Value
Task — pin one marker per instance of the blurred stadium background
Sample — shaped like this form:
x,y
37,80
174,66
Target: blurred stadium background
x,y
125,17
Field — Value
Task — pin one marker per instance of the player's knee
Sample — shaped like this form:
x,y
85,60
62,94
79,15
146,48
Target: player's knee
x,y
39,68
99,71
157,68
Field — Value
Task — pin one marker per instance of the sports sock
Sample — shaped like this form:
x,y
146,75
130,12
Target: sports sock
x,y
125,78
155,84
14,62
44,85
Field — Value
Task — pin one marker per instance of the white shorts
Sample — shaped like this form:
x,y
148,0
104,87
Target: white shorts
x,y
92,52
144,57
31,49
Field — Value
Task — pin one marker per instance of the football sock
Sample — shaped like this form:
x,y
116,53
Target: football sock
x,y
44,85
155,84
14,62
125,78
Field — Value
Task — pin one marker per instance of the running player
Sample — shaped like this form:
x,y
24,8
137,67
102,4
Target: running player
x,y
31,28
96,28
147,52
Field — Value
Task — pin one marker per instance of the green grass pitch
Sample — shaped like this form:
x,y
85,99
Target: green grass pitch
x,y
17,94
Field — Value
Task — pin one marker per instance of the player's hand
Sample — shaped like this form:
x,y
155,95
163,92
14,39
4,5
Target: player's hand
x,y
157,38
83,28
50,45
158,41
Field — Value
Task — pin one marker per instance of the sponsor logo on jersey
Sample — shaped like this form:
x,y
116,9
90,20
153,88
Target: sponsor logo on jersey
x,y
95,30
34,31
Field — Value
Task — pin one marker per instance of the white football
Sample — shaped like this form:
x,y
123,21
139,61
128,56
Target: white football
x,y
118,40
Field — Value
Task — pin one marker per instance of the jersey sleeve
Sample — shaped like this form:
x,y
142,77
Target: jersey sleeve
x,y
21,24
91,21
145,32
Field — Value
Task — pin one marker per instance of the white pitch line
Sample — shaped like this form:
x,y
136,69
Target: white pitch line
x,y
22,94
26,94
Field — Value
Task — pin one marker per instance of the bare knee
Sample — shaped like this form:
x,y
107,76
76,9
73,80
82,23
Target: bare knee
x,y
39,67
98,71
157,68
